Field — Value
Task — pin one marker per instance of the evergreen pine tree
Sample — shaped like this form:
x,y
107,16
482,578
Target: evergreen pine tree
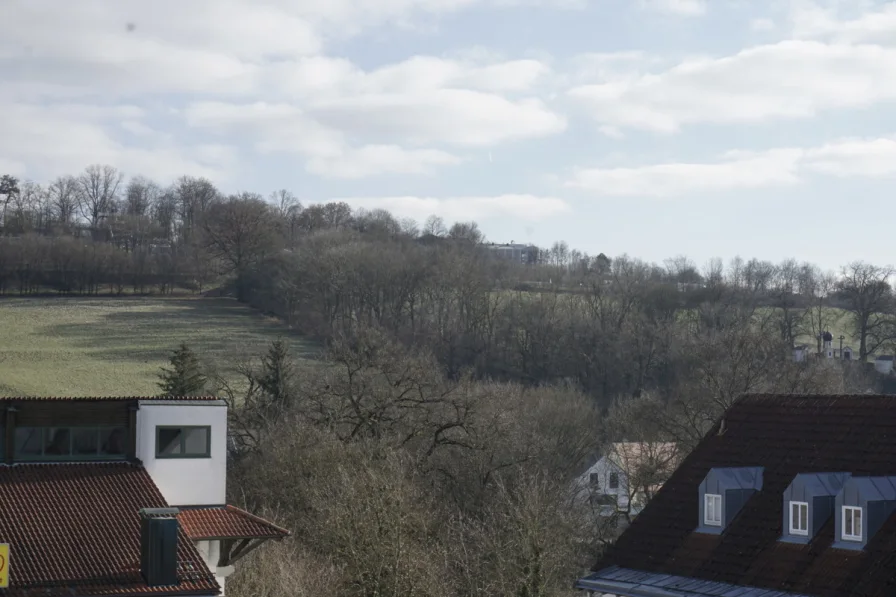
x,y
276,373
184,377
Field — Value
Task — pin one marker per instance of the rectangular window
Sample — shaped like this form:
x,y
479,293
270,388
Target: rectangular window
x,y
852,524
594,479
183,442
614,480
712,510
799,518
66,443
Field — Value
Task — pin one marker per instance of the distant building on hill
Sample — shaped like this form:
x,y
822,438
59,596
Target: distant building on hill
x,y
519,253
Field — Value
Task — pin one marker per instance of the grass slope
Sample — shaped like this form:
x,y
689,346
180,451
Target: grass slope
x,y
108,346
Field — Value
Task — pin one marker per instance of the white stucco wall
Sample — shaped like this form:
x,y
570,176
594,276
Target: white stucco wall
x,y
185,481
211,552
604,468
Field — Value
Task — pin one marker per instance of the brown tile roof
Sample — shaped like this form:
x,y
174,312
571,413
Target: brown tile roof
x,y
227,522
109,398
786,435
78,526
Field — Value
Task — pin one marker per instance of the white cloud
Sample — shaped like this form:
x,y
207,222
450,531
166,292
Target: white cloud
x,y
372,160
219,59
453,116
762,24
65,139
689,8
523,207
744,170
863,22
790,79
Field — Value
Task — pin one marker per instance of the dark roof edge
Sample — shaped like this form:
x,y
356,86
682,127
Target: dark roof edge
x,y
634,583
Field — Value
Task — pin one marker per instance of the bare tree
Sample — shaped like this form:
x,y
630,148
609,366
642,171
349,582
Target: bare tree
x,y
466,231
140,196
98,192
435,226
64,196
866,289
241,231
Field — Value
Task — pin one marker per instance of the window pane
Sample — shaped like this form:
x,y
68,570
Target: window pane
x,y
112,442
84,441
804,517
857,522
29,441
196,441
847,522
58,441
169,441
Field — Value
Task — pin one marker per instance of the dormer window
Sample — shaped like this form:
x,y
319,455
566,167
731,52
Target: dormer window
x,y
808,503
799,518
862,507
852,524
712,510
723,494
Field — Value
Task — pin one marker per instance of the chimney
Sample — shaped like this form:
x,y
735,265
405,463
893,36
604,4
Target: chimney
x,y
158,546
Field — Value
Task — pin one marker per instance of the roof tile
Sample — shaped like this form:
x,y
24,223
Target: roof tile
x,y
227,522
787,435
78,525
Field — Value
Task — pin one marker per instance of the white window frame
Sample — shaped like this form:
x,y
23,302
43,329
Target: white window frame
x,y
712,501
795,522
849,512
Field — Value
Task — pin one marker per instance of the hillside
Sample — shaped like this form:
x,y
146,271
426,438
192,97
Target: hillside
x,y
98,346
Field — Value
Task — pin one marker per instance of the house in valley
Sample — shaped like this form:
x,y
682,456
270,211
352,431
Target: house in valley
x,y
624,479
119,496
786,496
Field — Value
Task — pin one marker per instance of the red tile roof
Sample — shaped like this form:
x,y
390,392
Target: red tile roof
x,y
227,522
109,398
78,526
787,435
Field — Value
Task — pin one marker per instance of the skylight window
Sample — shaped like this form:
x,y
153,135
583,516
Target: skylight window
x,y
799,518
852,524
712,511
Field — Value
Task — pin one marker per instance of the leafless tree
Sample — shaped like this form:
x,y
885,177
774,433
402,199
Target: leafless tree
x,y
64,196
435,226
866,288
98,186
241,232
141,196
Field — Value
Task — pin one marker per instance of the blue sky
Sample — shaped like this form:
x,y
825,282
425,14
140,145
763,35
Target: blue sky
x,y
651,127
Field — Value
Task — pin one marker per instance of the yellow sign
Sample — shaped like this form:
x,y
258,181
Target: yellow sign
x,y
4,565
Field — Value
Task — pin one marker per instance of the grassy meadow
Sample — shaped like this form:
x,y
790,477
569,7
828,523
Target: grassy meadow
x,y
115,346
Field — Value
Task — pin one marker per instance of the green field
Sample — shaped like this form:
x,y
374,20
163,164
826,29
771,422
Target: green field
x,y
115,346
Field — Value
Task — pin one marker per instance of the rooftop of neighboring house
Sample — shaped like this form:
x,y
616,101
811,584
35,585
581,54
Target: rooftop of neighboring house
x,y
831,458
74,524
631,455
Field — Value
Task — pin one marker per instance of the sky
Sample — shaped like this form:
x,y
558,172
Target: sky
x,y
708,128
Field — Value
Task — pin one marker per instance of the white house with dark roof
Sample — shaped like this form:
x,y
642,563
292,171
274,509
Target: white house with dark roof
x,y
136,488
